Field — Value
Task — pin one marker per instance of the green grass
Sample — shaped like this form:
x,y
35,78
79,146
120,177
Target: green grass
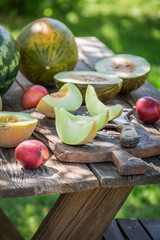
x,y
125,27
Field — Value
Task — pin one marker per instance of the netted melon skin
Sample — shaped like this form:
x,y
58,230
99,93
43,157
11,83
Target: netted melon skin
x,y
131,84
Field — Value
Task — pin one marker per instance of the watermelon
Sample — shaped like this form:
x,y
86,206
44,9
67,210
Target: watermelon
x,y
9,60
47,47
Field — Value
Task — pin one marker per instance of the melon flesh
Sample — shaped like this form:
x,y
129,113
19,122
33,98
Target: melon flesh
x,y
96,107
68,97
132,69
74,130
15,127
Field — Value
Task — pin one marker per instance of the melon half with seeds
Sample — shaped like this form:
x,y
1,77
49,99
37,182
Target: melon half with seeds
x,y
106,86
74,130
15,127
68,97
132,69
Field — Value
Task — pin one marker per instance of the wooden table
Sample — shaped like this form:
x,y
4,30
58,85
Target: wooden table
x,y
91,194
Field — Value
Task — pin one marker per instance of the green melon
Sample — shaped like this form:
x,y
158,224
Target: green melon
x,y
47,47
9,60
106,86
132,69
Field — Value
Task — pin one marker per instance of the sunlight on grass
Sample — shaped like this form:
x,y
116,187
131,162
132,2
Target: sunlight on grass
x,y
143,202
72,17
27,213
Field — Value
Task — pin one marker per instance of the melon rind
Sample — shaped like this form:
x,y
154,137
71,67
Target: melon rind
x,y
11,134
9,60
105,90
131,81
74,130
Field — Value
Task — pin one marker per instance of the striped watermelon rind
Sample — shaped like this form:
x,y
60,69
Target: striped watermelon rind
x,y
9,60
47,47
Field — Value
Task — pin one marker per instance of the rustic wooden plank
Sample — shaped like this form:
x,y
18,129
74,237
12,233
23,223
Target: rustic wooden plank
x,y
81,215
113,232
152,226
108,175
7,230
51,178
132,229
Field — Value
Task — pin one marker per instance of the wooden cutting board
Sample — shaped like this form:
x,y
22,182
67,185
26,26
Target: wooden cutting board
x,y
104,148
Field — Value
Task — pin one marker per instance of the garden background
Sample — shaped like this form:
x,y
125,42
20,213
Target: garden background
x,y
131,27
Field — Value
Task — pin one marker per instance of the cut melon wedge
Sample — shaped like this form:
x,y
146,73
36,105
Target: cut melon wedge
x,y
15,127
96,107
0,103
102,119
132,69
68,97
74,130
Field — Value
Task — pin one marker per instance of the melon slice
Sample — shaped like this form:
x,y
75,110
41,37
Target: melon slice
x,y
68,97
74,130
96,107
106,86
15,127
0,103
132,69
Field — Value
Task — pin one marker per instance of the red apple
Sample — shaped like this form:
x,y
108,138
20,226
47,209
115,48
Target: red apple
x,y
31,153
148,109
32,96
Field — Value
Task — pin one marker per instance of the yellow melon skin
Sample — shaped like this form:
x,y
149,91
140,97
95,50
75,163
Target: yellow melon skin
x,y
11,134
0,103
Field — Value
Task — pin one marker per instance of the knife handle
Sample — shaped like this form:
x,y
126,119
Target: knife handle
x,y
129,136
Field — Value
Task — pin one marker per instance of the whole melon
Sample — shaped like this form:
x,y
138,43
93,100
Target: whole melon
x,y
47,47
9,60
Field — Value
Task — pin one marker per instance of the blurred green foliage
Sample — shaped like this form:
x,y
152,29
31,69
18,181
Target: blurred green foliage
x,y
125,27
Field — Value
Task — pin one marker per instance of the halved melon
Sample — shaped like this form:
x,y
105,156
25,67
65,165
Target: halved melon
x,y
0,103
132,69
106,86
96,107
74,130
68,97
15,127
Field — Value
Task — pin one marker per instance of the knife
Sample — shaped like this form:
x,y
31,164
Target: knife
x,y
128,134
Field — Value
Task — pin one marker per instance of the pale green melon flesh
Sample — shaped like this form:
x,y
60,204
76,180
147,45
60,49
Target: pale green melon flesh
x,y
96,107
68,97
132,69
102,119
71,101
16,118
72,129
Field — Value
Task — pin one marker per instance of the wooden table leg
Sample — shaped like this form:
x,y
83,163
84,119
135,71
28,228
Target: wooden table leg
x,y
82,215
7,229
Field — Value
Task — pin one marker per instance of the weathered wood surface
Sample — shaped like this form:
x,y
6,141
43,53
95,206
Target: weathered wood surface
x,y
83,215
7,230
51,178
152,226
128,225
104,148
131,229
